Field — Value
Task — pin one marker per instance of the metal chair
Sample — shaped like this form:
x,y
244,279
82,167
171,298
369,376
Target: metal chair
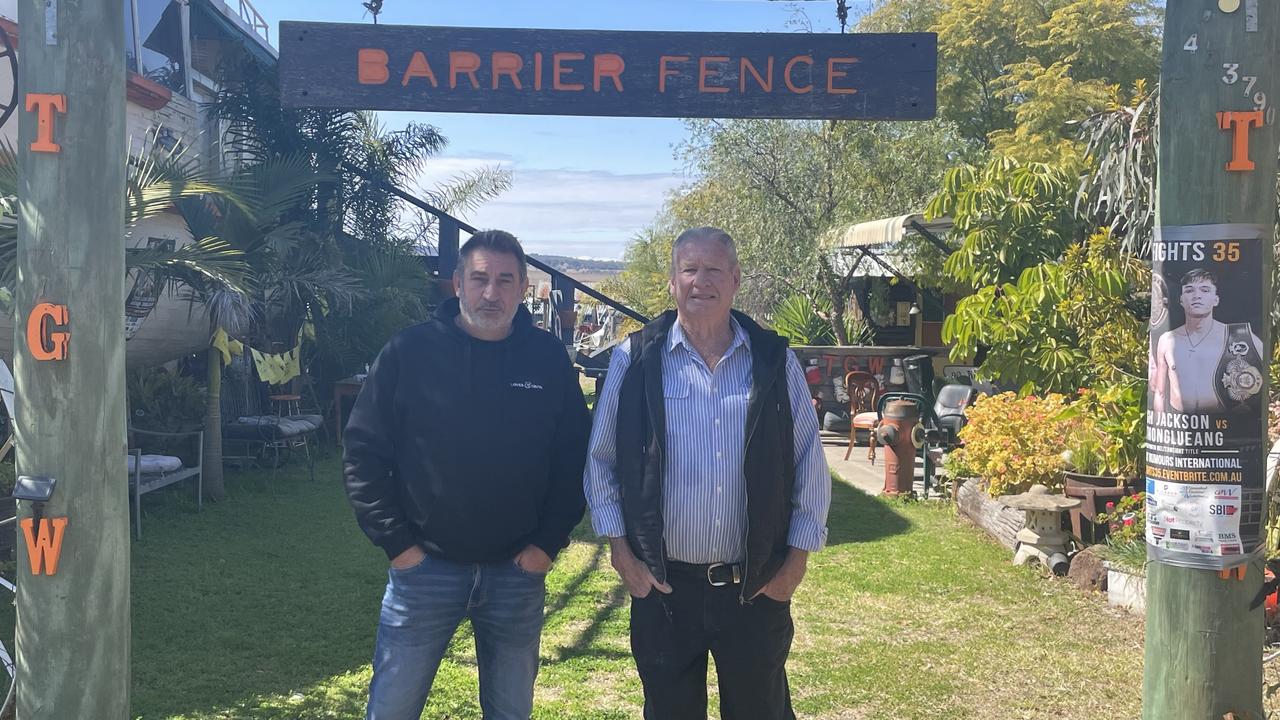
x,y
863,389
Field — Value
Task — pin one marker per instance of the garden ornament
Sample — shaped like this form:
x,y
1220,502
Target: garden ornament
x,y
1042,537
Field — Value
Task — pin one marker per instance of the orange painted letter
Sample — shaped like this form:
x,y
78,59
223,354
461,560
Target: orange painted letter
x,y
44,344
608,65
419,67
463,62
664,72
833,73
558,70
45,105
704,72
46,547
1240,122
509,64
786,74
765,83
371,66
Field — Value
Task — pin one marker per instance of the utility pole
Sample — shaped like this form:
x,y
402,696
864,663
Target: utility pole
x,y
73,551
1206,426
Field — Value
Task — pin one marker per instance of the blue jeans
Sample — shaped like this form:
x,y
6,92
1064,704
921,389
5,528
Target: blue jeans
x,y
421,610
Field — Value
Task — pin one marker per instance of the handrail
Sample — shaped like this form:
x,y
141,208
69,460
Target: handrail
x,y
254,19
444,216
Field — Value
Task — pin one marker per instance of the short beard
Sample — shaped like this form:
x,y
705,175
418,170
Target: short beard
x,y
484,322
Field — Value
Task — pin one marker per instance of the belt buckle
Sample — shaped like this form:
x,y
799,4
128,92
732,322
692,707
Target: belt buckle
x,y
736,578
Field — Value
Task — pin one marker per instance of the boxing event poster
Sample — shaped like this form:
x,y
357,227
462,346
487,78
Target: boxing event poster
x,y
1206,427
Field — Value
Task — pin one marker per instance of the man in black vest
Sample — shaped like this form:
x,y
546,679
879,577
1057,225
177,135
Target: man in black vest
x,y
706,473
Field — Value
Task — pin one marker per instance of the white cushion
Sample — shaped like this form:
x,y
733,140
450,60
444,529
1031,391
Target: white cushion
x,y
156,464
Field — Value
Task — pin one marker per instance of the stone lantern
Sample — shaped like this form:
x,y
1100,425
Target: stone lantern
x,y
1042,537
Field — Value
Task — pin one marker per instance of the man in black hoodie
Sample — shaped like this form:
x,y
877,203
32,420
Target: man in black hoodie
x,y
463,462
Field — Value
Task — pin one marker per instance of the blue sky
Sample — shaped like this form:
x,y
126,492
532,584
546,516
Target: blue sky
x,y
583,186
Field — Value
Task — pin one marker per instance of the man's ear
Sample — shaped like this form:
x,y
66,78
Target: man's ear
x,y
457,284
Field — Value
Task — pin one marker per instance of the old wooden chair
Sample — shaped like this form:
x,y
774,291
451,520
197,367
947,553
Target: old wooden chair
x,y
864,390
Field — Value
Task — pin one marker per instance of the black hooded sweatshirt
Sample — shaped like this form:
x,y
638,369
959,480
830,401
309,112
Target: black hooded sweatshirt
x,y
470,449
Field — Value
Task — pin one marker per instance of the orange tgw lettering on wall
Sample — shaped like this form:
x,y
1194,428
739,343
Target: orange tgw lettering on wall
x,y
1240,122
371,66
45,105
786,74
833,73
508,64
664,72
45,548
705,72
42,342
559,70
419,67
608,65
463,62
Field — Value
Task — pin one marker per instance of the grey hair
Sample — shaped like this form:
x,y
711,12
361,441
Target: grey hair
x,y
704,233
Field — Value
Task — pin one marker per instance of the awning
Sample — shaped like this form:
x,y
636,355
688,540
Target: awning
x,y
884,232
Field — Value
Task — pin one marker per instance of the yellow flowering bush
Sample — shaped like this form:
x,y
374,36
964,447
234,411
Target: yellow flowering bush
x,y
1015,442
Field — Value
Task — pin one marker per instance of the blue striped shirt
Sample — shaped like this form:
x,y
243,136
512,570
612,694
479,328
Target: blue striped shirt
x,y
704,488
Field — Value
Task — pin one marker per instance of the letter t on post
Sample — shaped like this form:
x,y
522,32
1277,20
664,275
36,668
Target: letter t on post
x,y
1240,122
45,104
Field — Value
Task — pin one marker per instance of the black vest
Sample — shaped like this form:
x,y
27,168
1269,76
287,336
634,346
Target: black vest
x,y
769,465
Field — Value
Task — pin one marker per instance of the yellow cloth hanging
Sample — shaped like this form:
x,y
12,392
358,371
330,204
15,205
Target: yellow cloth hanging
x,y
277,369
227,345
282,367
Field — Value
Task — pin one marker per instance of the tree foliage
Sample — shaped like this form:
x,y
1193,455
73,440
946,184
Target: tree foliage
x,y
1008,216
1064,324
1013,74
781,188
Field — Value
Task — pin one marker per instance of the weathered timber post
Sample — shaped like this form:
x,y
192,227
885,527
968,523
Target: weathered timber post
x,y
73,559
1206,424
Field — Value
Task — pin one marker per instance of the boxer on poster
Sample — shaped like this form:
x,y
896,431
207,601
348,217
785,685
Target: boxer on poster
x,y
1206,366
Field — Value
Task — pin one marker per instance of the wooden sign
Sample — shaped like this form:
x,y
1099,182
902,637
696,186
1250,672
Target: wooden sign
x,y
609,73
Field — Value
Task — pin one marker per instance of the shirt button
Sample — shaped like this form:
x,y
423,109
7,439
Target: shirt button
x,y
717,421
717,453
717,523
719,488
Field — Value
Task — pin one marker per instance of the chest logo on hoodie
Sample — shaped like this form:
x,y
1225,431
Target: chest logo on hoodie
x,y
526,385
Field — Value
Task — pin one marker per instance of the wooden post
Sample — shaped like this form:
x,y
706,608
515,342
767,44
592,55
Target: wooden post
x,y
447,245
72,605
564,307
1205,632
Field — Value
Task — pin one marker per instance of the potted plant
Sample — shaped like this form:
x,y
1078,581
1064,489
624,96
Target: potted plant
x,y
1125,551
956,471
1103,455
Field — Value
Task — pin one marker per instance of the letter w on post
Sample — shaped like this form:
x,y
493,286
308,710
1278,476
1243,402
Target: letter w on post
x,y
45,548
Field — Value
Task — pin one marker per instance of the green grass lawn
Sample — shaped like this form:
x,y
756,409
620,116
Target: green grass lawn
x,y
265,606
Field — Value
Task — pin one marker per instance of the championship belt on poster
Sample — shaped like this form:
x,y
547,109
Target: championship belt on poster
x,y
1240,370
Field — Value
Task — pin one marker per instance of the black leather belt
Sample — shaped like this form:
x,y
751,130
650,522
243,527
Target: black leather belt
x,y
716,574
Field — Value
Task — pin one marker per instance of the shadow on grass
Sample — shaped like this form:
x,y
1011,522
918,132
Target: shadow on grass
x,y
858,517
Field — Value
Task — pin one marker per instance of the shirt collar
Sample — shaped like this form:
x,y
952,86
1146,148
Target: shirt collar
x,y
675,337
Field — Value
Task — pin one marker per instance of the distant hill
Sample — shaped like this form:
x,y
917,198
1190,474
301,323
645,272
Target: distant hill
x,y
571,265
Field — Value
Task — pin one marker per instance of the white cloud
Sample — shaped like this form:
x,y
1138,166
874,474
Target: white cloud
x,y
583,213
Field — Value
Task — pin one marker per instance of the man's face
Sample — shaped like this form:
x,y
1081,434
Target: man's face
x,y
489,289
704,280
1199,298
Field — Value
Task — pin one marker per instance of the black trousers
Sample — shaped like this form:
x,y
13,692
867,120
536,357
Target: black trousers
x,y
671,636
